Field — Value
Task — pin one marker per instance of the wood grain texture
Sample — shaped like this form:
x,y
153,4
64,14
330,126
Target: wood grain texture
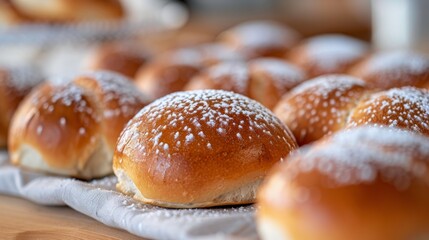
x,y
21,219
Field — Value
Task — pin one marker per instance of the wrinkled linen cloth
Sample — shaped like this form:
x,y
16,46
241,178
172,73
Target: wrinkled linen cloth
x,y
98,199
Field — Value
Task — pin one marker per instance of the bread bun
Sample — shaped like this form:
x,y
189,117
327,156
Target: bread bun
x,y
171,71
394,69
328,54
199,149
122,57
229,76
15,84
70,10
406,108
272,78
168,73
71,129
260,38
263,79
365,183
320,106
215,53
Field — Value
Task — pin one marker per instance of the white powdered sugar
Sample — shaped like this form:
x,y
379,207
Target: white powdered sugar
x,y
326,84
405,107
260,34
118,88
184,56
363,154
23,78
71,97
231,75
399,62
215,111
331,95
397,69
219,52
285,75
331,50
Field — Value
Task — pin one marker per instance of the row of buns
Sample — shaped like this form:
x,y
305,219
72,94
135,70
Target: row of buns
x,y
210,147
186,68
14,12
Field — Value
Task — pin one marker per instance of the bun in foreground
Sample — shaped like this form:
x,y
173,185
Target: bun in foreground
x,y
71,129
199,149
365,183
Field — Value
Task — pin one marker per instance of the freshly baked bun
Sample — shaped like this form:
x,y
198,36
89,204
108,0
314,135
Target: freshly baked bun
x,y
215,53
406,108
260,38
171,71
117,97
263,79
168,73
70,10
71,129
15,84
387,70
199,149
272,78
320,106
122,57
229,76
366,183
328,54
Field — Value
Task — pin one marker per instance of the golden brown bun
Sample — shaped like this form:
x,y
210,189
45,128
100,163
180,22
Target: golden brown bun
x,y
118,98
394,69
229,76
263,79
215,53
70,10
272,78
199,149
168,73
121,57
260,38
320,106
365,183
406,108
71,129
15,84
328,54
171,71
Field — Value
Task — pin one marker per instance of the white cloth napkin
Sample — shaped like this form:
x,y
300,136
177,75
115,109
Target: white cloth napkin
x,y
99,200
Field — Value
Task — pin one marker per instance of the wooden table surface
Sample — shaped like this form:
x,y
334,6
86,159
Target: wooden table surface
x,y
22,219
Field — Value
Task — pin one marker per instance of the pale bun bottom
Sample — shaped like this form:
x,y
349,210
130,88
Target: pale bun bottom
x,y
243,195
96,166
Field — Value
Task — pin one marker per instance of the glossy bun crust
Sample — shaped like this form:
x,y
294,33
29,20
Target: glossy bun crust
x,y
262,79
199,149
15,84
71,129
124,58
168,73
320,106
364,183
406,108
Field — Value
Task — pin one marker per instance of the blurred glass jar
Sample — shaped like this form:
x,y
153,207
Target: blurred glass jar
x,y
401,24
